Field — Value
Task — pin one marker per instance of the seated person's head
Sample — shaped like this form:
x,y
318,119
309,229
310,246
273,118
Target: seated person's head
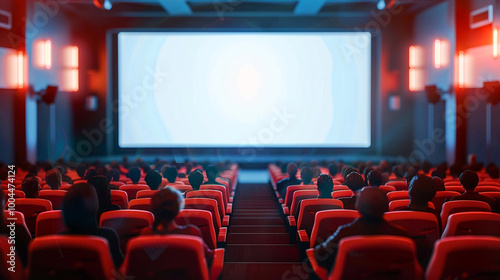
x,y
398,172
212,172
333,169
80,170
166,204
170,173
53,178
196,179
455,170
421,190
316,171
101,186
189,167
410,173
438,184
91,172
153,179
375,178
79,208
438,173
306,174
31,187
469,180
354,181
134,174
493,171
292,169
113,175
347,170
372,203
325,185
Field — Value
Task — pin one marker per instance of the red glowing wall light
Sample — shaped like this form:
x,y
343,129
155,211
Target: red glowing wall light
x,y
42,54
74,80
461,69
48,54
413,57
495,42
20,70
437,53
70,57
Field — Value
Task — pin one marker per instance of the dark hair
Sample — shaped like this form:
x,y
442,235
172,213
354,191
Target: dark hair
x,y
398,171
306,174
212,172
170,173
80,170
91,172
347,170
438,173
134,174
421,190
493,171
372,202
31,187
438,184
469,180
325,185
166,204
375,178
354,181
333,169
79,208
410,173
113,175
101,186
153,179
53,178
196,179
455,170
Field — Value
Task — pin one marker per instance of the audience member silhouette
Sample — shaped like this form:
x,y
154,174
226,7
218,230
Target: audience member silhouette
x,y
80,170
354,182
469,180
134,174
166,205
212,174
22,235
196,179
399,172
101,186
53,178
153,179
438,184
325,186
375,178
31,187
333,169
371,204
283,184
306,174
170,173
79,211
91,172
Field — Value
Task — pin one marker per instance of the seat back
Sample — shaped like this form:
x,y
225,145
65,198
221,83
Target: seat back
x,y
55,196
119,198
17,194
182,188
309,208
486,188
399,185
31,208
387,188
397,195
453,188
299,196
166,257
206,204
474,256
340,194
473,223
376,257
132,189
203,220
221,188
397,205
457,206
441,197
489,183
140,204
326,223
70,257
213,194
292,189
49,222
145,194
7,261
126,223
18,216
494,195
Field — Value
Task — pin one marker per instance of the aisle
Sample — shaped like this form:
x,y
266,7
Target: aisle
x,y
257,242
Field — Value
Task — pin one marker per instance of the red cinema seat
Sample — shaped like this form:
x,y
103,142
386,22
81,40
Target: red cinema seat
x,y
486,188
54,196
397,195
399,185
132,189
307,214
49,222
292,189
182,188
17,194
5,262
473,223
140,204
459,189
203,220
210,205
222,189
342,194
298,196
119,198
126,223
441,197
494,195
397,205
457,206
31,208
326,223
465,257
69,257
213,194
18,218
170,257
146,193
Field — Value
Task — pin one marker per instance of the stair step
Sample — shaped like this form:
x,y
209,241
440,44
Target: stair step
x,y
254,229
270,270
258,238
256,221
261,253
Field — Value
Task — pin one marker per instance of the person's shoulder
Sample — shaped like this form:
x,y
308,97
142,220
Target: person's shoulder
x,y
191,230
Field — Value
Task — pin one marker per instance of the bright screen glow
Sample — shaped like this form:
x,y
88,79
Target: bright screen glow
x,y
228,89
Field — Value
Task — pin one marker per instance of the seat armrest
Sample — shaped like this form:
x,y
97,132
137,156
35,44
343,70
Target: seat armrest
x,y
222,234
303,237
225,221
285,210
229,208
231,199
217,264
277,194
280,200
318,270
291,221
